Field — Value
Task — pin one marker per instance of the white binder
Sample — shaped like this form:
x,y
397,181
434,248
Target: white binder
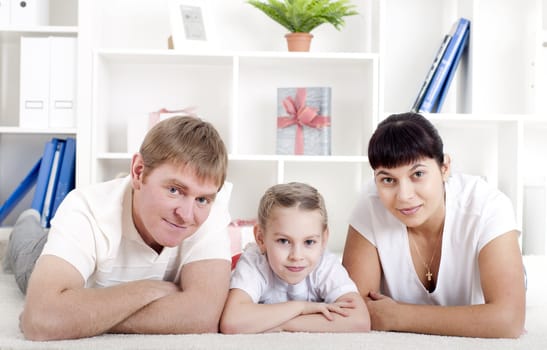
x,y
5,12
62,82
34,83
30,12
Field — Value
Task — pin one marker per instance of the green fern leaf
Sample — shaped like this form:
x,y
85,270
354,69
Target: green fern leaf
x,y
306,15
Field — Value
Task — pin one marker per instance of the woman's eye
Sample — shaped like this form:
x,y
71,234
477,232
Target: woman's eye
x,y
283,241
419,173
387,180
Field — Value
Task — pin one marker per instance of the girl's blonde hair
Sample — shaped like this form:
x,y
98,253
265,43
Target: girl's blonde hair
x,y
293,194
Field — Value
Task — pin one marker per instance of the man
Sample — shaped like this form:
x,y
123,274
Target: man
x,y
148,253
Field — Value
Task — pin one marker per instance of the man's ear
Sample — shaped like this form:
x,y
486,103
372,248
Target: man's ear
x,y
137,171
259,237
445,167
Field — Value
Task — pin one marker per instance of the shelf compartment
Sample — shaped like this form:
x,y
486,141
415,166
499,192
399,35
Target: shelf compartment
x,y
29,131
489,149
19,153
353,80
250,180
63,19
534,224
534,146
334,180
110,168
340,184
131,84
16,32
10,54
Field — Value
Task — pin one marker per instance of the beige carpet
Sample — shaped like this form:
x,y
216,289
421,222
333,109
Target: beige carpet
x,y
11,303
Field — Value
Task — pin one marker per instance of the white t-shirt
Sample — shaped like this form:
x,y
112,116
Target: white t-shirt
x,y
328,281
476,213
93,230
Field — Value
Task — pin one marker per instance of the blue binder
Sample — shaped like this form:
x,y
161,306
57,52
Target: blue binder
x,y
52,183
43,175
67,175
449,60
20,191
452,71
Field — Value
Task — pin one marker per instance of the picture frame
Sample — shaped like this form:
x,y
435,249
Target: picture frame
x,y
191,25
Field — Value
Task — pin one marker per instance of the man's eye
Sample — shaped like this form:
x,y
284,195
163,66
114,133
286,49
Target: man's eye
x,y
173,190
283,241
419,173
202,201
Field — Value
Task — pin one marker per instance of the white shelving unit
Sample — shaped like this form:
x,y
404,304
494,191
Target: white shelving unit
x,y
490,122
20,148
126,86
235,87
493,120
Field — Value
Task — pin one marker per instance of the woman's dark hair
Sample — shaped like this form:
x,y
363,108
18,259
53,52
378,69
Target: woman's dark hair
x,y
402,139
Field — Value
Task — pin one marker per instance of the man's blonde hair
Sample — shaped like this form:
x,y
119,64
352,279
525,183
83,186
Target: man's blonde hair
x,y
186,141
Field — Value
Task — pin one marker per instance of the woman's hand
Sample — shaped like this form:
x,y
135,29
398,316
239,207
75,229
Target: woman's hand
x,y
382,310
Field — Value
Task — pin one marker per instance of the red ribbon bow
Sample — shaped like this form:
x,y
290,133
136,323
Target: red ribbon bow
x,y
301,115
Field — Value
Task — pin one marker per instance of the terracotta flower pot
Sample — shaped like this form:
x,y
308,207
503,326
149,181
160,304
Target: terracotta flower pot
x,y
298,41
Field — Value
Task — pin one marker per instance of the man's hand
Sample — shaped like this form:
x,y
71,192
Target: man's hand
x,y
58,306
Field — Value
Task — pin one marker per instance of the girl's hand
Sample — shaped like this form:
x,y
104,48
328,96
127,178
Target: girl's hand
x,y
327,309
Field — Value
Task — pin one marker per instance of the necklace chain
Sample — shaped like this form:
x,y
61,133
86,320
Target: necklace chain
x,y
428,274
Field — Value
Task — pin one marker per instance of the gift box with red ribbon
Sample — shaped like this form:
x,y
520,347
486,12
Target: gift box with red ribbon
x,y
138,126
303,122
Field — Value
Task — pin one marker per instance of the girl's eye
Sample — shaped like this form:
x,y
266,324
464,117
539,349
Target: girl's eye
x,y
283,241
310,242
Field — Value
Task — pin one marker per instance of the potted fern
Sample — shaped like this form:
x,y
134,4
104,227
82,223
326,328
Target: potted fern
x,y
300,17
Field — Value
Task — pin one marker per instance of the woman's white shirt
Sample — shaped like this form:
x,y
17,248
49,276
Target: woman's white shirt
x,y
476,213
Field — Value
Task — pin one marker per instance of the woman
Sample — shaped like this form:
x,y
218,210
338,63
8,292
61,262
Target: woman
x,y
433,253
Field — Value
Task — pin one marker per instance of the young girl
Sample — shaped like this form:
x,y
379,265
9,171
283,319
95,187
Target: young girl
x,y
288,281
438,246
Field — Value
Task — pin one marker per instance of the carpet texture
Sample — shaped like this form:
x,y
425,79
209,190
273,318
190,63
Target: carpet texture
x,y
11,304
